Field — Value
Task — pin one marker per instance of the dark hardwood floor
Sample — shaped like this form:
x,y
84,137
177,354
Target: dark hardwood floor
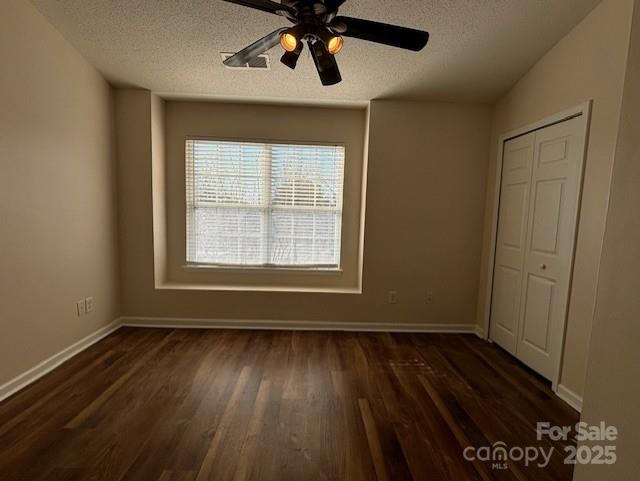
x,y
169,405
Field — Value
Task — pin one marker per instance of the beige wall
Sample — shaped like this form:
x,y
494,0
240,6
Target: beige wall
x,y
57,198
159,189
589,63
135,210
420,155
612,392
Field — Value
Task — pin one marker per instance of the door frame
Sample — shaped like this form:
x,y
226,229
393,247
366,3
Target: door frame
x,y
583,112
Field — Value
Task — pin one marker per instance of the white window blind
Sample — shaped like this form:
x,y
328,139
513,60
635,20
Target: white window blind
x,y
264,204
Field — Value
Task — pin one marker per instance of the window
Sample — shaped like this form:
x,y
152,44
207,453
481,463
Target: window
x,y
264,204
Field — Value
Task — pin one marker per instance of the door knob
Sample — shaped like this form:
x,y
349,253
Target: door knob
x,y
543,267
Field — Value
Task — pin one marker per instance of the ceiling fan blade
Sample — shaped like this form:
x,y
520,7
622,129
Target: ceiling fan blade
x,y
264,5
290,59
252,51
325,64
401,37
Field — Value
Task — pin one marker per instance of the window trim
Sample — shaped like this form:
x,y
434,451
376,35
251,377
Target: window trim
x,y
267,268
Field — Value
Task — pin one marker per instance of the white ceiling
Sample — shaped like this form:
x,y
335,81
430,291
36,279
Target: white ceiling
x,y
478,48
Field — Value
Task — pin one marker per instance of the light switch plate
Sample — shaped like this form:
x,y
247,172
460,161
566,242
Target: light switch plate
x,y
393,297
81,308
429,298
89,304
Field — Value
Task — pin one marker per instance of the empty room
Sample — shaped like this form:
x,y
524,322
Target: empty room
x,y
337,240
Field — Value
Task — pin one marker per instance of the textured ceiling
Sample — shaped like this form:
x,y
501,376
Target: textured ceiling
x,y
478,48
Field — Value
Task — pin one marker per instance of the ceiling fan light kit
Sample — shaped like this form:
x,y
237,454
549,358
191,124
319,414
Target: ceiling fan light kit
x,y
317,23
289,42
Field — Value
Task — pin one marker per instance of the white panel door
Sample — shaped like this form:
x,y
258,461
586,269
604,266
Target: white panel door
x,y
510,247
553,207
540,192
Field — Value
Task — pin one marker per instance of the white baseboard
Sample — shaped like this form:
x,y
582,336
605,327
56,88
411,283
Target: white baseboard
x,y
570,397
54,361
480,332
182,323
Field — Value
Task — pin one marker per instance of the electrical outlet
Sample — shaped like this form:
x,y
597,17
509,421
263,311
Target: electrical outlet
x,y
81,308
89,304
393,297
429,297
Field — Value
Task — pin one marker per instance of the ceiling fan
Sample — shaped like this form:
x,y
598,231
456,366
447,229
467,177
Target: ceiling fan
x,y
317,22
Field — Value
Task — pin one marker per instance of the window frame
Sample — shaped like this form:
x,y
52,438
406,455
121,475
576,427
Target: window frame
x,y
266,268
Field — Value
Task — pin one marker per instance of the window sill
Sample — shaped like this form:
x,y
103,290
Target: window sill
x,y
178,286
263,270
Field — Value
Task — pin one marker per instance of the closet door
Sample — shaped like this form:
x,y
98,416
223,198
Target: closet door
x,y
510,248
552,217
